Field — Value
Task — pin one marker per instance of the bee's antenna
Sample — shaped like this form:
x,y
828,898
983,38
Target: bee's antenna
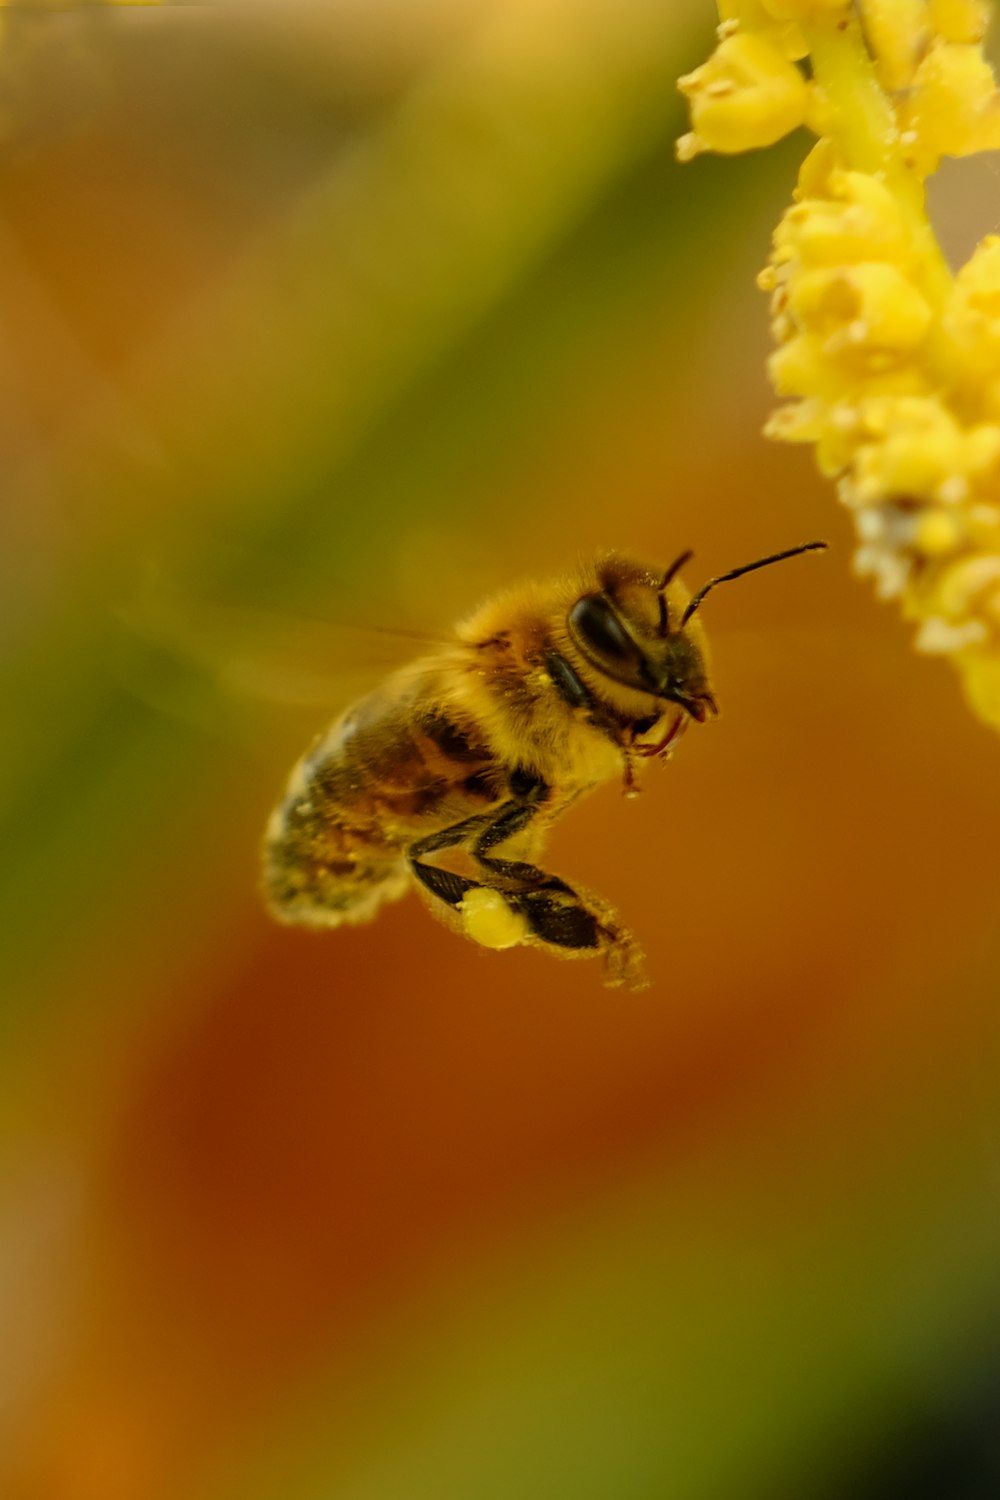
x,y
763,562
667,578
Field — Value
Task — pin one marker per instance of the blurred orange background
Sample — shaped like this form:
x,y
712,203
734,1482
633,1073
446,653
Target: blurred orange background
x,y
354,312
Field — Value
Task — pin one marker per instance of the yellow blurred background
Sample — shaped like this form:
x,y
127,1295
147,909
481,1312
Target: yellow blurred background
x,y
354,311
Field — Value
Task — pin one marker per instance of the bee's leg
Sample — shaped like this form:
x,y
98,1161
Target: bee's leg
x,y
486,830
556,914
517,902
445,884
489,914
553,909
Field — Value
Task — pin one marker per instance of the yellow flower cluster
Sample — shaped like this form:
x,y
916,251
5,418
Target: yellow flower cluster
x,y
888,362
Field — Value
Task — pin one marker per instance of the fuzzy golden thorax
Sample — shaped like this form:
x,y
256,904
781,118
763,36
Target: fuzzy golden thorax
x,y
573,675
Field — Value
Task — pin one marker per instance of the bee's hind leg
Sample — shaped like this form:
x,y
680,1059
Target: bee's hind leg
x,y
515,902
444,884
576,923
579,924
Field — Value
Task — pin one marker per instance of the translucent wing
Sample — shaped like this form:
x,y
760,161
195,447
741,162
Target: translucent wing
x,y
223,666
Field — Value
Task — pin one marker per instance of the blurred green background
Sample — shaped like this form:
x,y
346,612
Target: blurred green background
x,y
351,312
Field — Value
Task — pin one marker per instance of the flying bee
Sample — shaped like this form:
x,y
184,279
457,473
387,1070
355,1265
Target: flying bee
x,y
449,776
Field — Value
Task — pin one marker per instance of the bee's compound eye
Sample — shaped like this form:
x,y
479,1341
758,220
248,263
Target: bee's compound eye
x,y
595,624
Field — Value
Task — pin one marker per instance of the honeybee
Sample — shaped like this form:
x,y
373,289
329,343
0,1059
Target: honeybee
x,y
449,776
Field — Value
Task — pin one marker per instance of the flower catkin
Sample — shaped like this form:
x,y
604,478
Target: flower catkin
x,y
885,361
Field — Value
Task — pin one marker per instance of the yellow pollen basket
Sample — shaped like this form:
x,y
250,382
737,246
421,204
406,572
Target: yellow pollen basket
x,y
488,920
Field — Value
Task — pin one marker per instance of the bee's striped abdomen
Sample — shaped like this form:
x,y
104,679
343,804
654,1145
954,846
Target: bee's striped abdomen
x,y
386,774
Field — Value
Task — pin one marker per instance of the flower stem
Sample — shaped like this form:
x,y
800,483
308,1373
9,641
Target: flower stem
x,y
864,127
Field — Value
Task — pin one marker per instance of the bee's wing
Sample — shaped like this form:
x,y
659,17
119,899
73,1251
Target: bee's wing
x,y
214,664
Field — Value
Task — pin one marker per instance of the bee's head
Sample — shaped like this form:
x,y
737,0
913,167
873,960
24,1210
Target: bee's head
x,y
640,630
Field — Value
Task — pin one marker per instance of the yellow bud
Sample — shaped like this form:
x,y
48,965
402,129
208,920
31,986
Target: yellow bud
x,y
981,680
750,15
938,532
688,146
971,319
800,367
920,449
959,20
898,33
939,637
953,108
861,222
796,422
838,442
745,96
960,586
871,305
